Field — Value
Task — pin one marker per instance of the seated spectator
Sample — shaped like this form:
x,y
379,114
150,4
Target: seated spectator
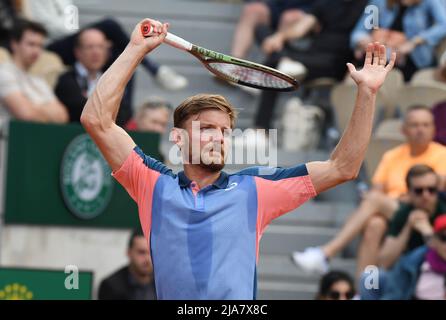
x,y
412,27
51,15
273,14
336,285
152,116
412,222
326,56
380,203
134,281
22,95
419,275
75,86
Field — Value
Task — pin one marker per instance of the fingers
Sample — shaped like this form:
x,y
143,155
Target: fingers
x,y
382,55
157,27
369,54
391,62
376,52
351,68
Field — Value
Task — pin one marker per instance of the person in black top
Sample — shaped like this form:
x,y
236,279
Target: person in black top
x,y
327,53
75,86
134,281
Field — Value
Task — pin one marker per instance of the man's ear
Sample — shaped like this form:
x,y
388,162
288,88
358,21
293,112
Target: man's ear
x,y
177,136
13,45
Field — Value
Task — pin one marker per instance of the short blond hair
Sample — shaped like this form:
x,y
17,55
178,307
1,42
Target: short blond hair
x,y
195,104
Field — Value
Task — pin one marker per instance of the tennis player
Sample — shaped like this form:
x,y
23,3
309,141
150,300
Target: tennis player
x,y
203,226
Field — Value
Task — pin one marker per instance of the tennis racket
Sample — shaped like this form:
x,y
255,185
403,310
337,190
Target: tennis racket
x,y
240,71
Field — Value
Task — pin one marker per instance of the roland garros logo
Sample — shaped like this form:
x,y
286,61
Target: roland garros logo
x,y
85,178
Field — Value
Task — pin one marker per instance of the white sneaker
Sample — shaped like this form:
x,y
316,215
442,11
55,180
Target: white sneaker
x,y
169,79
312,260
292,68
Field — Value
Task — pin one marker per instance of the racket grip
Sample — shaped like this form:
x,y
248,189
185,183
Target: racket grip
x,y
171,39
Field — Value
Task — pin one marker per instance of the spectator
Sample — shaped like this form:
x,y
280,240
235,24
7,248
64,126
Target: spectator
x,y
22,95
380,203
134,281
411,223
412,27
327,55
75,86
152,116
420,274
52,15
336,285
274,14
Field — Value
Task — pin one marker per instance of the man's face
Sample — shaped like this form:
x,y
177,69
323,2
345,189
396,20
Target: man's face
x,y
154,120
29,48
139,257
419,127
93,50
424,192
212,136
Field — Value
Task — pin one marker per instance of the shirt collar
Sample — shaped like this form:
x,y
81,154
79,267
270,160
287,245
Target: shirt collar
x,y
220,183
83,72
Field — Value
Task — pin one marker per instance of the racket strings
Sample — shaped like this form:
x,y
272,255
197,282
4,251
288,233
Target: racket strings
x,y
249,75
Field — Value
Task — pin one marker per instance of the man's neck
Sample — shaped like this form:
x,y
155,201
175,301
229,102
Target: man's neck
x,y
200,175
141,279
416,150
20,64
90,74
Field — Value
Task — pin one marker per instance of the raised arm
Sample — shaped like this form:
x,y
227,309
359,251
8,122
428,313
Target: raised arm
x,y
99,114
346,159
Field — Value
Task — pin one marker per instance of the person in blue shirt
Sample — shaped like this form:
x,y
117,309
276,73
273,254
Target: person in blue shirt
x,y
203,226
421,22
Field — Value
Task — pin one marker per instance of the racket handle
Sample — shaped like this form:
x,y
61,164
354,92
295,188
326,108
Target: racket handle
x,y
171,39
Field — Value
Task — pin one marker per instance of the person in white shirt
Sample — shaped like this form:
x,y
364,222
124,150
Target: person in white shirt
x,y
24,96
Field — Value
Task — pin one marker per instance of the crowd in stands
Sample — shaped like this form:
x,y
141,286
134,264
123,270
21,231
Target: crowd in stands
x,y
401,218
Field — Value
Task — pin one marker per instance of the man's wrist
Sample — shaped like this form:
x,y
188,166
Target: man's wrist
x,y
365,89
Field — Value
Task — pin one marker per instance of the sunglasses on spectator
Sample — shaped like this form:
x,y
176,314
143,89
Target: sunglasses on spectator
x,y
336,295
420,191
441,237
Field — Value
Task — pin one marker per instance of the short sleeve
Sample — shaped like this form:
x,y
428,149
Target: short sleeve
x,y
138,175
381,172
280,190
8,81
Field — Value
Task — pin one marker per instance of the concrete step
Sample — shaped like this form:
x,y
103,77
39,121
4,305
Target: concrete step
x,y
280,239
270,290
279,278
317,214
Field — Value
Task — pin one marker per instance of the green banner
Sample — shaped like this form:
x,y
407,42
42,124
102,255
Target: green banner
x,y
32,284
57,176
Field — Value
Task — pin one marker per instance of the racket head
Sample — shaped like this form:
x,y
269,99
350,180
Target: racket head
x,y
244,72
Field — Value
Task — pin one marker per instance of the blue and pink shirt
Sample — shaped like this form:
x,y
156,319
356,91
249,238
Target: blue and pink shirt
x,y
205,242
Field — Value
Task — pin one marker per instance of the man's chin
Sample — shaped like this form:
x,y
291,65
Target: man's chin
x,y
212,167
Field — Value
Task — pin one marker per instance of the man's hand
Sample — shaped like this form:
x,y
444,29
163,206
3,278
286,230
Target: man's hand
x,y
419,221
374,72
273,43
149,43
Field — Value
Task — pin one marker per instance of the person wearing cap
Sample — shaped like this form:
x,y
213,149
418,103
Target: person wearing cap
x,y
419,275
